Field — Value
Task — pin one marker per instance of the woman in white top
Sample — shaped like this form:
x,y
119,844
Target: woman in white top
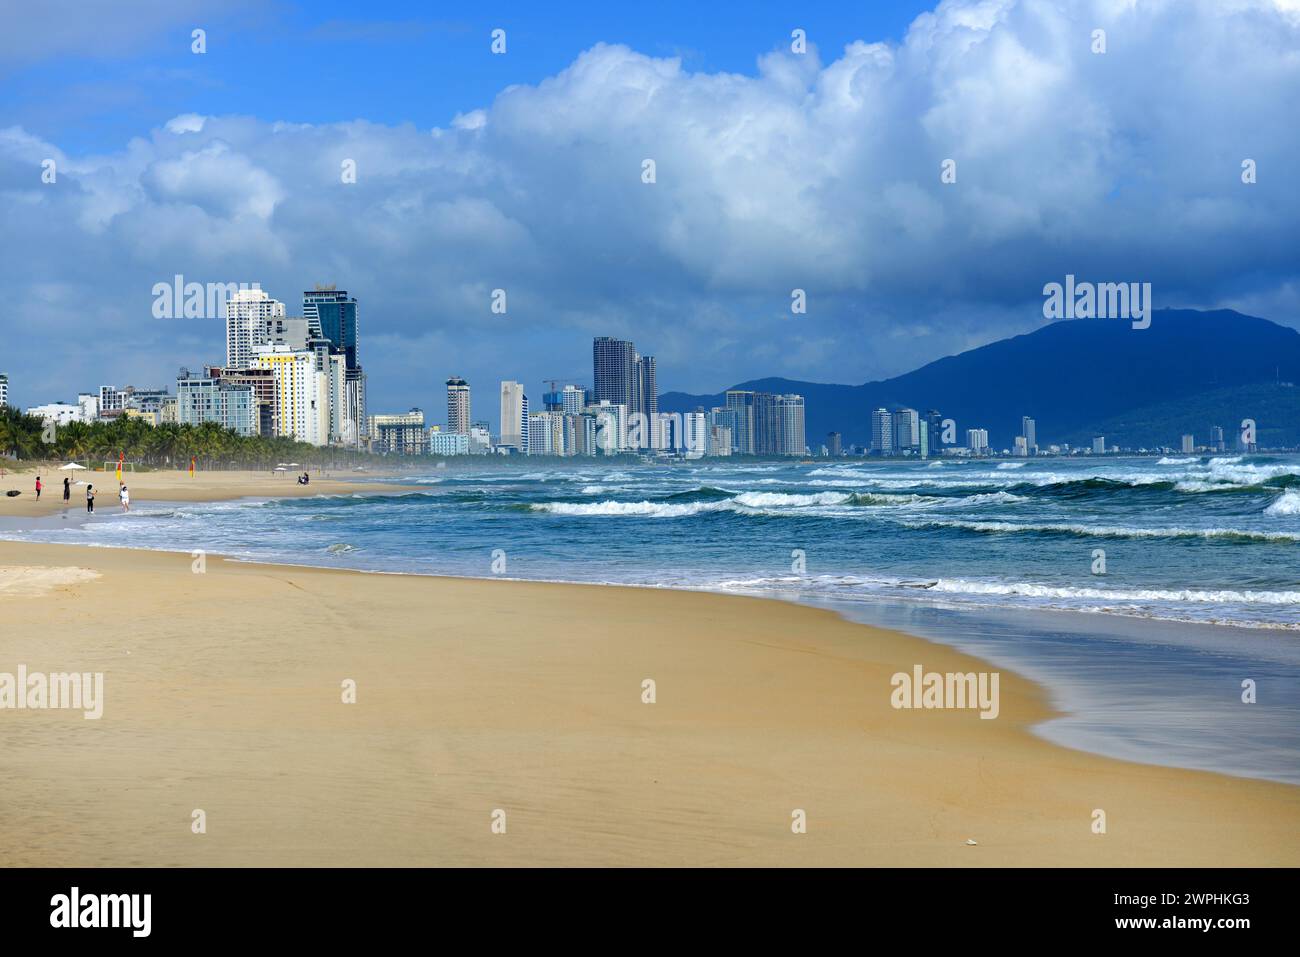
x,y
125,496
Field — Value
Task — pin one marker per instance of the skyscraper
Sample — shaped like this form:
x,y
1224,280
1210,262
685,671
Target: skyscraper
x,y
1029,430
4,390
514,416
907,430
882,432
934,423
613,366
647,387
741,403
458,417
790,425
246,312
620,376
331,316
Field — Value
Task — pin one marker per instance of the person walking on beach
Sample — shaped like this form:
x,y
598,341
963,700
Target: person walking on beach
x,y
67,489
38,488
90,498
125,495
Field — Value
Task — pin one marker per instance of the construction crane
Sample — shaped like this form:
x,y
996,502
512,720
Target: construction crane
x,y
553,398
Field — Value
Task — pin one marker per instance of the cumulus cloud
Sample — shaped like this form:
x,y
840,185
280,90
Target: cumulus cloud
x,y
818,171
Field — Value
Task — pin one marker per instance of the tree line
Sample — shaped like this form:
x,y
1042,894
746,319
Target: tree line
x,y
169,445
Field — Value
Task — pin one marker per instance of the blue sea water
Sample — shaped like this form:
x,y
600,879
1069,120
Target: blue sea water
x,y
1200,591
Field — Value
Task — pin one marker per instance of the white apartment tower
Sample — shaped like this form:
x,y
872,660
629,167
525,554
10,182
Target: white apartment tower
x,y
247,312
457,406
514,416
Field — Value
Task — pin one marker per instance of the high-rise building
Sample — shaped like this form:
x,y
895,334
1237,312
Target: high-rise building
x,y
977,440
611,426
1029,431
4,390
720,440
834,444
695,435
458,417
514,417
934,423
907,430
620,376
790,425
246,313
1099,445
302,394
741,404
332,313
614,372
541,434
1189,444
647,386
1216,438
882,432
331,317
572,399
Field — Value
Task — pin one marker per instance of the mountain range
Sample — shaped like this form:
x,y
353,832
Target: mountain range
x,y
1188,371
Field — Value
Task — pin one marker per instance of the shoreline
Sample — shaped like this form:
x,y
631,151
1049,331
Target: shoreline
x,y
1083,720
482,694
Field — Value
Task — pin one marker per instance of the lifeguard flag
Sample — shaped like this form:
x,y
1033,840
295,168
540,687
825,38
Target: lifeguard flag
x,y
120,457
191,466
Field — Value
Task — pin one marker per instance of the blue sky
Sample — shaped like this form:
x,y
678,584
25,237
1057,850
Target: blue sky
x,y
776,171
394,62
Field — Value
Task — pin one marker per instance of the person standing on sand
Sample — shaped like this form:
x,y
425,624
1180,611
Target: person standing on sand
x,y
38,488
125,495
67,489
90,498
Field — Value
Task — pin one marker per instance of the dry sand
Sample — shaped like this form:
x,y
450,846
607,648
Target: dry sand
x,y
168,486
223,693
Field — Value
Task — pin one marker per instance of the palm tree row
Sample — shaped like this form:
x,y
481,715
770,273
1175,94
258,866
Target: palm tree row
x,y
168,445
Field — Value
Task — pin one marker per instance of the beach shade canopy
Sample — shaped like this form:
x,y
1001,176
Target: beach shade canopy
x,y
281,468
71,467
293,465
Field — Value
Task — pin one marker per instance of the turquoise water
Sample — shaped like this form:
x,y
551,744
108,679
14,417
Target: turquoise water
x,y
1201,583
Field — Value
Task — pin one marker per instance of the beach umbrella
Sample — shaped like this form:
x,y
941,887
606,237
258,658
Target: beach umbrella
x,y
71,466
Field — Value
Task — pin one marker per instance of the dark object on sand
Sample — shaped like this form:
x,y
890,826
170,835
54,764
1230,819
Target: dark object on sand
x,y
12,493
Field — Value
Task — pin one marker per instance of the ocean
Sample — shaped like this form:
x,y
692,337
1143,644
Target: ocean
x,y
1142,592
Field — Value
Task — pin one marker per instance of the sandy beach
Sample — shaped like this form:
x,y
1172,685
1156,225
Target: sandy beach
x,y
163,486
223,692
